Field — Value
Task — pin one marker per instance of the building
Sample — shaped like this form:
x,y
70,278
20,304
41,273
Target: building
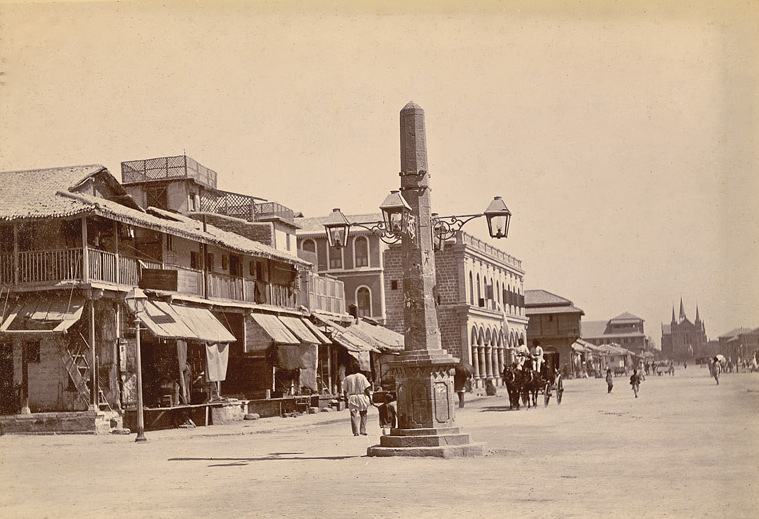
x,y
480,301
555,322
683,340
223,309
625,330
741,344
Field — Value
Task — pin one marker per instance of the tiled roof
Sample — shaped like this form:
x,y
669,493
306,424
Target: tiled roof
x,y
626,317
591,329
543,298
315,226
33,194
540,310
47,194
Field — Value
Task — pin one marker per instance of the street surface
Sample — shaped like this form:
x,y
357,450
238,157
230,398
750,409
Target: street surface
x,y
686,448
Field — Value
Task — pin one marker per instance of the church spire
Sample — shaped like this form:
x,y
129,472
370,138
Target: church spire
x,y
673,315
682,310
698,319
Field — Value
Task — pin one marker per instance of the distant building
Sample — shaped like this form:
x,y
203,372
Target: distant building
x,y
682,339
626,330
741,343
554,321
479,289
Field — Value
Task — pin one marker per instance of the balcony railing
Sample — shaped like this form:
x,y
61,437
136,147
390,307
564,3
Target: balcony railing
x,y
52,266
166,168
225,287
326,294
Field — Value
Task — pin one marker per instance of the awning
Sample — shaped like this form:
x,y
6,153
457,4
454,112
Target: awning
x,y
204,324
316,331
381,338
55,314
275,328
168,321
299,329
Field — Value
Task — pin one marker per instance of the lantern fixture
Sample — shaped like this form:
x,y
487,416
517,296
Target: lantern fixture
x,y
395,213
136,300
498,216
337,227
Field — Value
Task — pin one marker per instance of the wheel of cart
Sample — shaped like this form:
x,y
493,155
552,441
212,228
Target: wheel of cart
x,y
549,388
559,388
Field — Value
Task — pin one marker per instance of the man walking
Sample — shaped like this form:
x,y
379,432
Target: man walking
x,y
357,391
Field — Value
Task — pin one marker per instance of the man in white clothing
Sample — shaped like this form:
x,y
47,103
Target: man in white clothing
x,y
537,355
357,391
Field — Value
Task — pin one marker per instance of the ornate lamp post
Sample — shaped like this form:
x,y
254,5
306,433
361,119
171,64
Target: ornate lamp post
x,y
136,300
424,370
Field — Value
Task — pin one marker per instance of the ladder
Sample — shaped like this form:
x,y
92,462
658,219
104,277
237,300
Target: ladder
x,y
76,360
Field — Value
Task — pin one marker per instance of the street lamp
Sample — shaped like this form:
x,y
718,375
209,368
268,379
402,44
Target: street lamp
x,y
424,370
136,300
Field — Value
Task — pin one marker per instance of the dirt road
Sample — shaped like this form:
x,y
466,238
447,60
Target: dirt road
x,y
686,448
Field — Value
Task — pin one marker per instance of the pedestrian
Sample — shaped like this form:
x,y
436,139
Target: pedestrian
x,y
716,368
388,413
462,377
609,380
635,382
358,393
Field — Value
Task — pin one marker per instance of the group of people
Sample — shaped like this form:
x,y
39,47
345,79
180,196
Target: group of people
x,y
635,379
358,393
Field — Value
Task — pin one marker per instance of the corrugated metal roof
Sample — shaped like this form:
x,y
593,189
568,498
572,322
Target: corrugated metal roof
x,y
275,328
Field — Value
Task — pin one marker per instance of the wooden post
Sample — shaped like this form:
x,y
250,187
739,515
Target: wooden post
x,y
118,259
85,253
16,268
25,379
93,357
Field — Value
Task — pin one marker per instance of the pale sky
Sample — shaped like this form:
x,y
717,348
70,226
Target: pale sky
x,y
623,136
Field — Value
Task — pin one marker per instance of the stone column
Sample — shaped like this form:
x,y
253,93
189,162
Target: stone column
x,y
424,370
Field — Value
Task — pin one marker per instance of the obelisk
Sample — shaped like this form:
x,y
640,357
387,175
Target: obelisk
x,y
424,370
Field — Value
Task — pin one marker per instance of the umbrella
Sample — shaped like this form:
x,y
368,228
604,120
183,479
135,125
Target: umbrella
x,y
720,358
464,369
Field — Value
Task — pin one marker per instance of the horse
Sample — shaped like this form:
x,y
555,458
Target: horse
x,y
512,377
532,382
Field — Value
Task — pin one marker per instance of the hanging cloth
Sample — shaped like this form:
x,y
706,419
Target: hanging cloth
x,y
217,357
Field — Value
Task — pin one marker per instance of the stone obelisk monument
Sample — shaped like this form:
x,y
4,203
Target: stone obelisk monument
x,y
424,370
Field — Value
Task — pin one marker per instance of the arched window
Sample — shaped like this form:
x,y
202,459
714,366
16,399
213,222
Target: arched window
x,y
361,251
335,258
479,290
364,301
471,289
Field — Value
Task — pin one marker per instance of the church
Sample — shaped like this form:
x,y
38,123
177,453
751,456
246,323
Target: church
x,y
683,340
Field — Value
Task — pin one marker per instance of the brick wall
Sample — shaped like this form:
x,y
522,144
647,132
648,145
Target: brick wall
x,y
394,300
257,231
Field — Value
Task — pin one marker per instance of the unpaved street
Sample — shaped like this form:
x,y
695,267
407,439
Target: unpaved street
x,y
686,448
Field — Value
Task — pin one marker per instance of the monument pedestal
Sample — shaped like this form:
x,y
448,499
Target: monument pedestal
x,y
426,425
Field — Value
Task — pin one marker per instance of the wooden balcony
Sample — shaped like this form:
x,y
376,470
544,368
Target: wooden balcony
x,y
48,267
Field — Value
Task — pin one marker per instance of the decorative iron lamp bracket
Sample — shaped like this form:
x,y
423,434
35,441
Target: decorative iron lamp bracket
x,y
381,230
445,227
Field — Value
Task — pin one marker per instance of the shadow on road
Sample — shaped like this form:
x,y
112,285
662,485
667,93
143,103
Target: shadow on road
x,y
274,456
498,408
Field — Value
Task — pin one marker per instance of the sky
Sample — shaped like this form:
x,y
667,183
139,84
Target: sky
x,y
624,136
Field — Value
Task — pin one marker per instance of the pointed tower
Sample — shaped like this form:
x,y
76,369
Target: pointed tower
x,y
698,319
674,321
682,311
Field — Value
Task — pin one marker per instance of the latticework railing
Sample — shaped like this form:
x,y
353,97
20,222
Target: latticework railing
x,y
166,168
229,204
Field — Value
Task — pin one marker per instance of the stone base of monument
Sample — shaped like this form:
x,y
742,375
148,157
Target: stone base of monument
x,y
444,442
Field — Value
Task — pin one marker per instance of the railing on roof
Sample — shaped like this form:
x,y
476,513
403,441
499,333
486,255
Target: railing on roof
x,y
246,207
166,168
324,293
480,245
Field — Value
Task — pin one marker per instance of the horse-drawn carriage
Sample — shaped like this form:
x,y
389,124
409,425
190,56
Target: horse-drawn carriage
x,y
527,383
